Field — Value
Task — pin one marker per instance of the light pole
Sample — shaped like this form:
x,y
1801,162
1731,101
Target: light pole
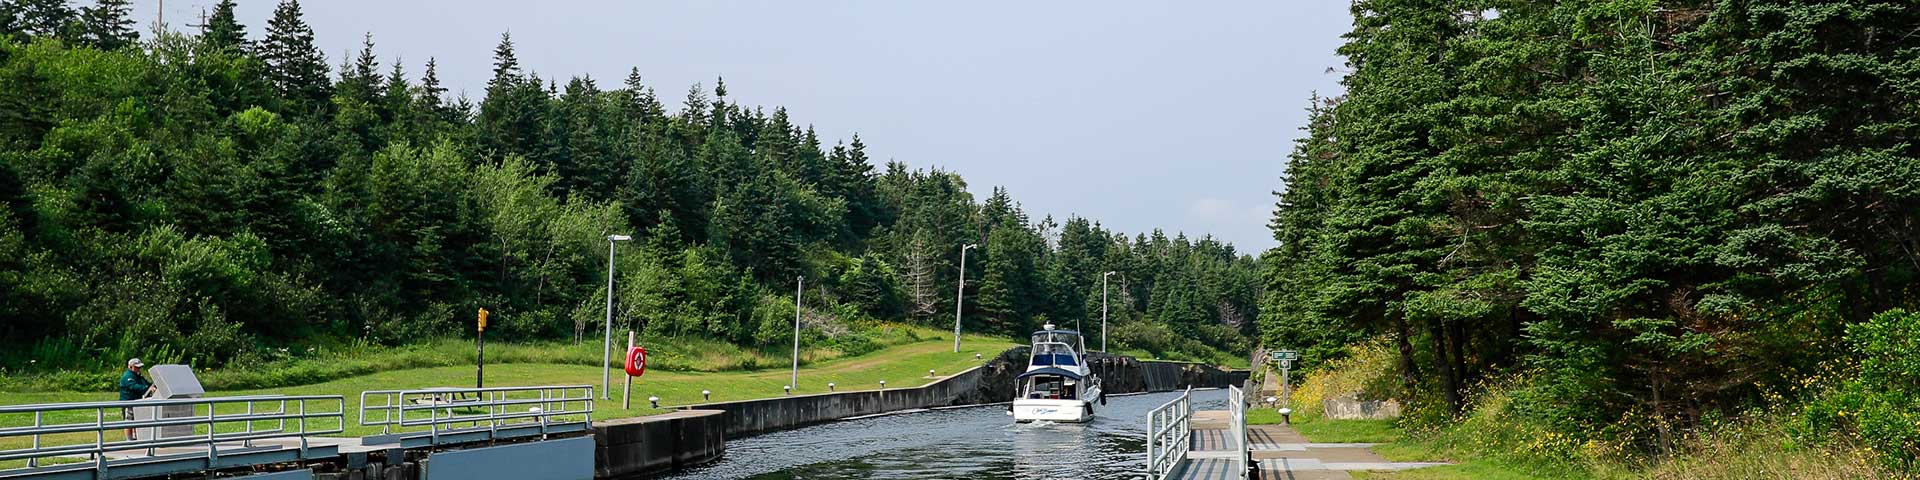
x,y
800,285
1103,310
960,296
606,355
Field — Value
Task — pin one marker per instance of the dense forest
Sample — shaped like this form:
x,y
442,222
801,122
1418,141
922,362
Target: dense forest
x,y
1636,215
206,196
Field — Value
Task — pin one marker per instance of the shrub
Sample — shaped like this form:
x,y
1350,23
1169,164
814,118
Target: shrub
x,y
1880,406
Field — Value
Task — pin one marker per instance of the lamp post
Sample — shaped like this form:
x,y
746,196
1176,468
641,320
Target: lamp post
x,y
1103,310
799,285
960,296
606,355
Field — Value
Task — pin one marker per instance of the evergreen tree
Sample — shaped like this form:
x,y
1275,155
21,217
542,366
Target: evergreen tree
x,y
641,106
296,67
513,116
108,25
43,18
223,28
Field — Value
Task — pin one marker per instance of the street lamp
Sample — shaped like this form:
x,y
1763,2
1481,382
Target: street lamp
x,y
1103,310
960,296
799,285
606,355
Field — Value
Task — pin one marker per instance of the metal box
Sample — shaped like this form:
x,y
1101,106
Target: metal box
x,y
170,382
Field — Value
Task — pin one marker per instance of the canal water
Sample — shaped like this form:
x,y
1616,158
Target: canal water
x,y
960,443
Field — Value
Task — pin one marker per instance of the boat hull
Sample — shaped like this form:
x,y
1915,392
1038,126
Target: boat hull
x,y
1031,410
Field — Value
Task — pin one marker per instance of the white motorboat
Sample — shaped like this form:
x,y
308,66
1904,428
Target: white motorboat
x,y
1058,386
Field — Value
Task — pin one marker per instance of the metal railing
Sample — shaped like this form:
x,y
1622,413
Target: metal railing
x,y
442,409
1237,429
62,429
1169,435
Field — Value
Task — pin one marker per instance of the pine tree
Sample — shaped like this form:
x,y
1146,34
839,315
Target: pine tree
x,y
360,81
108,25
44,18
642,107
296,67
9,19
506,67
223,29
513,116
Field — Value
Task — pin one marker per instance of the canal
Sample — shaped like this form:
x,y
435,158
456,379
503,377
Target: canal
x,y
970,442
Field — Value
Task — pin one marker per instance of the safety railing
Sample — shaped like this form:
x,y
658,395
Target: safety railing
x,y
1237,429
439,410
198,425
1169,435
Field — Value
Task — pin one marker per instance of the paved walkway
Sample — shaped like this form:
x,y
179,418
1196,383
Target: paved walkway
x,y
1280,453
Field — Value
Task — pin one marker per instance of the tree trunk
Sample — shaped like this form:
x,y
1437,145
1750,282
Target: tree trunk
x,y
1456,347
1449,384
1402,337
1660,414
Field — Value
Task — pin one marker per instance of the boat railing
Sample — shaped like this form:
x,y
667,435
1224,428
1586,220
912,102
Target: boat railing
x,y
200,425
1169,432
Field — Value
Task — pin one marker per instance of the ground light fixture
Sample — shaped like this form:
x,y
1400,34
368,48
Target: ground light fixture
x,y
787,388
655,401
706,395
606,355
929,372
883,384
829,386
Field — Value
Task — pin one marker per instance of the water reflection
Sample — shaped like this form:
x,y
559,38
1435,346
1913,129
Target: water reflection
x,y
964,443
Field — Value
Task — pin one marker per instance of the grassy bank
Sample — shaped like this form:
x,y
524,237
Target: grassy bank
x,y
1492,441
323,363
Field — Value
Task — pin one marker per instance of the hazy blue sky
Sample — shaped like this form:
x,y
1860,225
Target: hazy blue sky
x,y
1176,115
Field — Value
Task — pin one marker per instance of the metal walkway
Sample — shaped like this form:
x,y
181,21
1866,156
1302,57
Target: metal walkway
x,y
284,434
1209,444
1183,443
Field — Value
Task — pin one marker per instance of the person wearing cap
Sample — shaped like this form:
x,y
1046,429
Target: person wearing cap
x,y
132,387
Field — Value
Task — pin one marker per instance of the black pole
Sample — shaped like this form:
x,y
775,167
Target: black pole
x,y
480,373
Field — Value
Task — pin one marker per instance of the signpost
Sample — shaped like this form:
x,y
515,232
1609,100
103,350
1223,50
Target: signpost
x,y
1285,360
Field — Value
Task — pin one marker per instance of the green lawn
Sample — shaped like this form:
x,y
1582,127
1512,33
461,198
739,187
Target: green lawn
x,y
902,366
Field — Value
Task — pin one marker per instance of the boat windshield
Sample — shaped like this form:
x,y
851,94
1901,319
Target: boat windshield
x,y
1054,354
1056,336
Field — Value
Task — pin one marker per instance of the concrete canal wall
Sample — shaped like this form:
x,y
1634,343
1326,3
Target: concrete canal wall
x,y
631,447
989,383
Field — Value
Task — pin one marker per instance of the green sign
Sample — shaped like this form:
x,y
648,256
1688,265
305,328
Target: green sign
x,y
1285,356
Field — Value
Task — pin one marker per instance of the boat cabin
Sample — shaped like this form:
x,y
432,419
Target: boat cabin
x,y
1056,368
1050,384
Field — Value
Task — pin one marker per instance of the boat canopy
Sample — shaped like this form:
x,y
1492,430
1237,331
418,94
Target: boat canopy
x,y
1058,372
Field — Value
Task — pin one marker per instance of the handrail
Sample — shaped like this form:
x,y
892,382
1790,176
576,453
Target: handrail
x,y
1169,433
401,409
1237,429
202,416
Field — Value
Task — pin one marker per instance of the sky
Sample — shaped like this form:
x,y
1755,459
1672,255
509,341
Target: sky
x,y
1139,115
